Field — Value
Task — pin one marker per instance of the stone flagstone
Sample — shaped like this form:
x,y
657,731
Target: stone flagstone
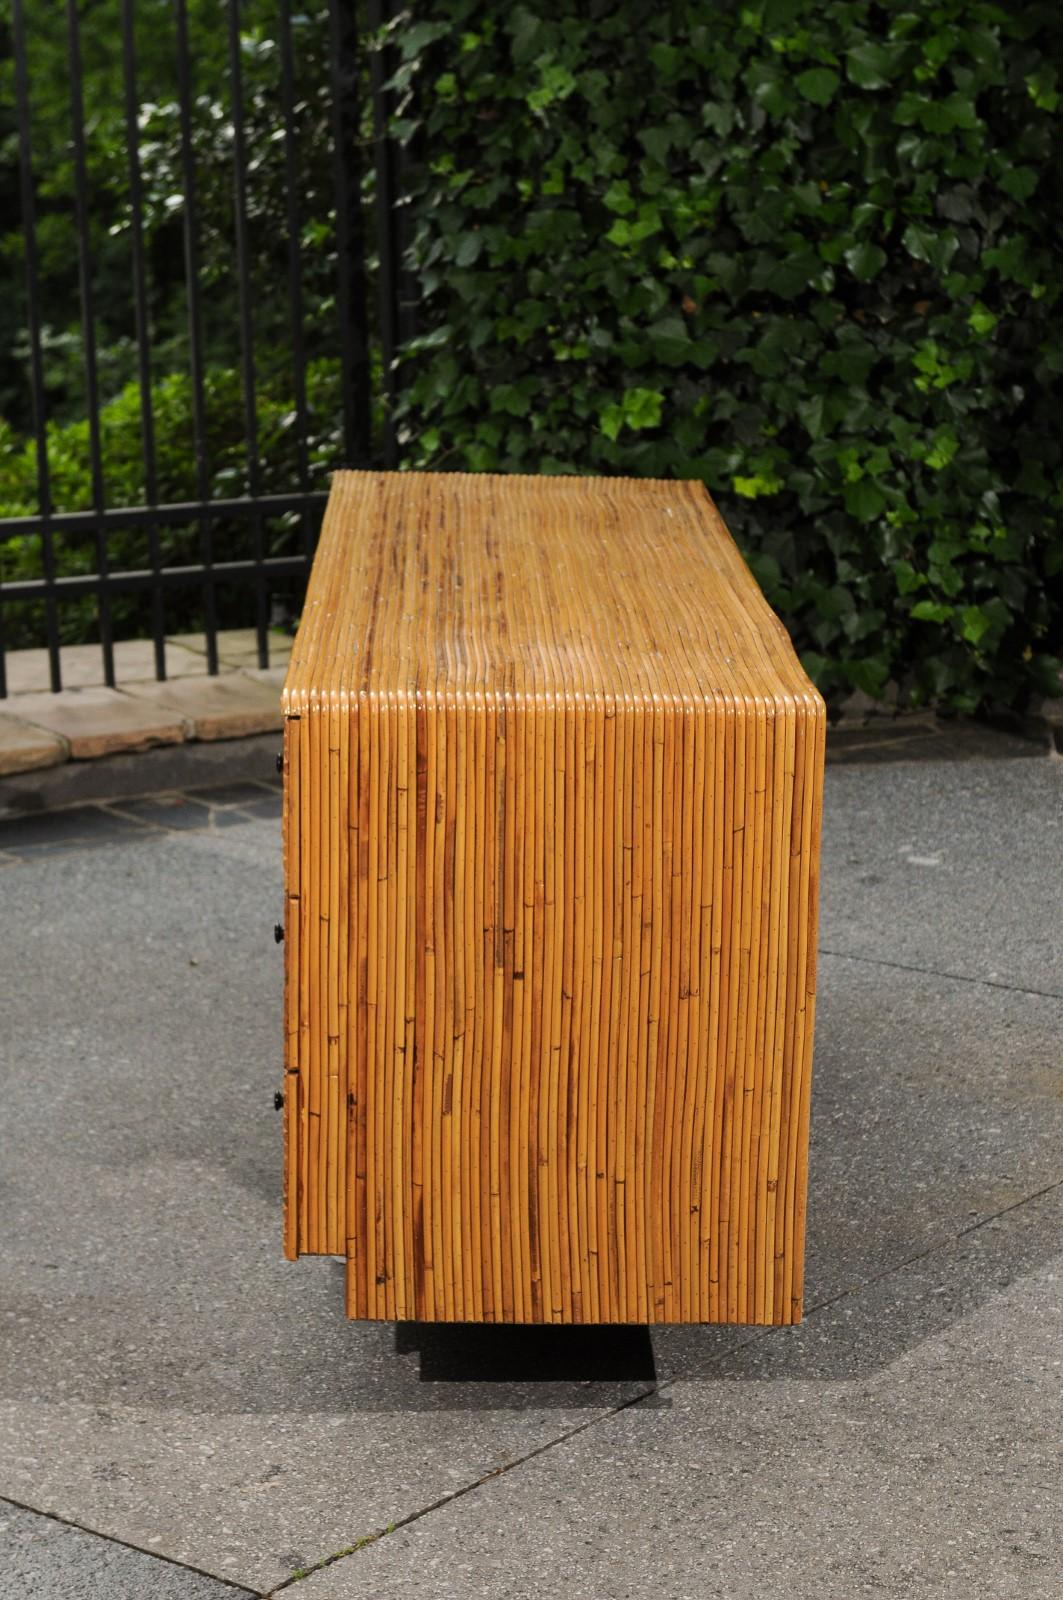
x,y
24,748
102,722
229,707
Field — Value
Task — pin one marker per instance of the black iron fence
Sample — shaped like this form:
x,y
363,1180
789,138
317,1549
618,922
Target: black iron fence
x,y
208,323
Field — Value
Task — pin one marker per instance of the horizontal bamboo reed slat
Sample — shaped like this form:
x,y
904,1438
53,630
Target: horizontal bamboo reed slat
x,y
553,780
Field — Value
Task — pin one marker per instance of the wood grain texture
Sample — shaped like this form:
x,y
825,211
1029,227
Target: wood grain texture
x,y
553,780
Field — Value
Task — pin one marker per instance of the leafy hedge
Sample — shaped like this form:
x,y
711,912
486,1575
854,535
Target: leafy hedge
x,y
807,252
121,448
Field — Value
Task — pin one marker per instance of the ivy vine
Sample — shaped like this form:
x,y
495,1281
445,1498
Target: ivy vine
x,y
810,253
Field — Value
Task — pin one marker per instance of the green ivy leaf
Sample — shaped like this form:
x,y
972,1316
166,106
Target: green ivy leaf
x,y
926,244
1041,87
668,59
852,363
871,674
788,276
642,407
871,65
931,611
975,624
754,487
865,500
422,34
865,260
556,83
907,578
944,448
511,399
469,247
611,420
981,320
818,84
636,409
618,198
1019,182
670,341
815,665
656,142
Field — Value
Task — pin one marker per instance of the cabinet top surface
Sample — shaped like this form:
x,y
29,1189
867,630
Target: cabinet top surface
x,y
455,584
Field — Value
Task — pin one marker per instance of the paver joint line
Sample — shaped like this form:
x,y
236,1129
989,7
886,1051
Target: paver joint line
x,y
942,1059
1016,1205
934,972
658,1388
126,1544
466,1488
103,823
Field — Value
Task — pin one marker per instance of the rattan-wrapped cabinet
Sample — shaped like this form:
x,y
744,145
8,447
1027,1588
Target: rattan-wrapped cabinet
x,y
553,781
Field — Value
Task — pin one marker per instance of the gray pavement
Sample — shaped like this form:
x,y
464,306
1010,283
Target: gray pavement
x,y
170,1383
46,1558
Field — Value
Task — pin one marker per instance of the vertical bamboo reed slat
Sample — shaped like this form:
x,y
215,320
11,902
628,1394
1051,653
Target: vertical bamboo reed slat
x,y
553,791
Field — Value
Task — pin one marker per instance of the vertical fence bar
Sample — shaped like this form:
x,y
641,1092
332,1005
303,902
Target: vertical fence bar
x,y
142,326
346,103
88,330
247,334
349,231
387,239
33,304
295,270
195,327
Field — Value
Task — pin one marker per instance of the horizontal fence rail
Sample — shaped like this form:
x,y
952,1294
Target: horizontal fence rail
x,y
252,311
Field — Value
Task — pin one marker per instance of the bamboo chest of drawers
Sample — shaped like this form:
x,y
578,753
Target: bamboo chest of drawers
x,y
553,781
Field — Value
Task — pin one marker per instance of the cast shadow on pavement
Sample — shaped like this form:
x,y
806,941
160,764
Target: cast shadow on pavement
x,y
145,1268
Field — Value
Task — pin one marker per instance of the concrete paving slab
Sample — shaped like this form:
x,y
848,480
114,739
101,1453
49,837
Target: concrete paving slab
x,y
165,1376
41,1559
273,677
935,1102
81,665
238,647
268,805
231,706
951,867
102,722
231,794
167,1379
788,1473
160,811
25,748
85,825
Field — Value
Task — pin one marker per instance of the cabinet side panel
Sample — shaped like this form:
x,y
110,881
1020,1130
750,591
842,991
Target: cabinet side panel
x,y
815,724
291,832
317,865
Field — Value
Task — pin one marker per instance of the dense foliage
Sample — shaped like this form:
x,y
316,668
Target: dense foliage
x,y
178,543
809,253
160,154
164,216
